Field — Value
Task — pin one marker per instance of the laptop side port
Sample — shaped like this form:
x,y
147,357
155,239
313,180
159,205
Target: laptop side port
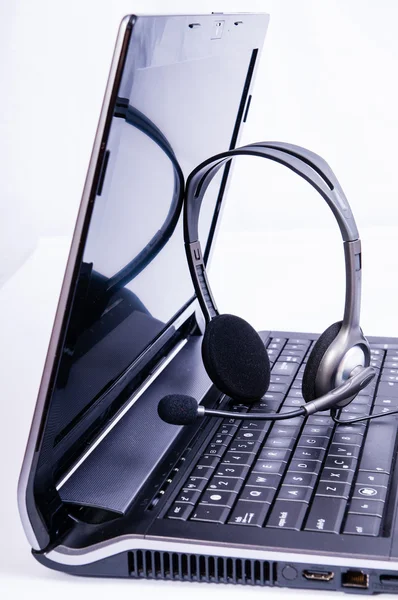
x,y
390,581
355,579
318,575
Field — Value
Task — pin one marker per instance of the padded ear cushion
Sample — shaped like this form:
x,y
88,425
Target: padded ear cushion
x,y
315,358
235,358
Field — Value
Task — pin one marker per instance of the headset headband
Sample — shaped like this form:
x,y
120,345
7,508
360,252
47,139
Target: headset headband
x,y
310,167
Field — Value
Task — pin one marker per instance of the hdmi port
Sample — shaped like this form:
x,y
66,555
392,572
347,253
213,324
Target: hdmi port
x,y
318,575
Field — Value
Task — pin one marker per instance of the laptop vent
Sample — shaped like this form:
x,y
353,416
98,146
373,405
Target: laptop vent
x,y
151,564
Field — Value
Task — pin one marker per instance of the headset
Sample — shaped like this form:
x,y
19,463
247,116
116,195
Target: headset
x,y
233,353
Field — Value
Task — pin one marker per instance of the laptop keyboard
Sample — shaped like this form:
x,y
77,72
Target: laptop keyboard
x,y
302,473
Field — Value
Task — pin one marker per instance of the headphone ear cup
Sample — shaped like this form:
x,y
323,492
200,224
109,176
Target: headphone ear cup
x,y
235,358
315,358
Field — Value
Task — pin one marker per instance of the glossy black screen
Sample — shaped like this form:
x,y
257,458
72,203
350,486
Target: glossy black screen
x,y
169,116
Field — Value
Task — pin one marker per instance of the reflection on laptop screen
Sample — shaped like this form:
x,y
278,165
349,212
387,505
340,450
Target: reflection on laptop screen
x,y
134,279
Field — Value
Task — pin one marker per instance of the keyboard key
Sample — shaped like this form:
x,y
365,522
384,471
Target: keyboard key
x,y
266,406
238,458
293,421
290,347
343,450
208,461
372,478
210,513
362,525
218,497
283,431
269,466
249,513
362,400
233,471
386,377
379,445
347,438
221,440
302,479
240,407
337,475
275,454
275,442
385,402
287,515
255,426
391,364
227,429
297,384
202,472
355,410
272,396
290,359
188,497
320,420
300,342
180,512
333,490
313,442
284,368
275,345
309,454
370,491
295,493
258,494
244,446
244,435
326,514
231,484
358,429
366,507
317,430
232,421
389,389
293,401
284,379
278,387
215,450
194,483
344,463
382,409
305,466
261,480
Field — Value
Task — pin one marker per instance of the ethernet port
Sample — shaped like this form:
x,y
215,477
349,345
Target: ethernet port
x,y
355,579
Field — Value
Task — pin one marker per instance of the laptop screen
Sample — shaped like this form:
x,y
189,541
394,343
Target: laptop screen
x,y
133,281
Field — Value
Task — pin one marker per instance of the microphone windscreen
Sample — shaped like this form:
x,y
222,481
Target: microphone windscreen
x,y
178,410
235,358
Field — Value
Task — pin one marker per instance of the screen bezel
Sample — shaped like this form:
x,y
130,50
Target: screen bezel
x,y
36,530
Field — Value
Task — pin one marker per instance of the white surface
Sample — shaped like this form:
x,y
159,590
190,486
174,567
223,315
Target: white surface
x,y
27,307
327,80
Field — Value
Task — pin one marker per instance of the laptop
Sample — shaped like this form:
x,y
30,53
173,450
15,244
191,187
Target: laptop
x,y
107,488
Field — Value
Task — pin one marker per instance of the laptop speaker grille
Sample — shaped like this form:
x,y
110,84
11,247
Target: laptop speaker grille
x,y
153,564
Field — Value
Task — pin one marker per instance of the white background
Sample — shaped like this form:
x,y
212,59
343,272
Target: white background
x,y
327,80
